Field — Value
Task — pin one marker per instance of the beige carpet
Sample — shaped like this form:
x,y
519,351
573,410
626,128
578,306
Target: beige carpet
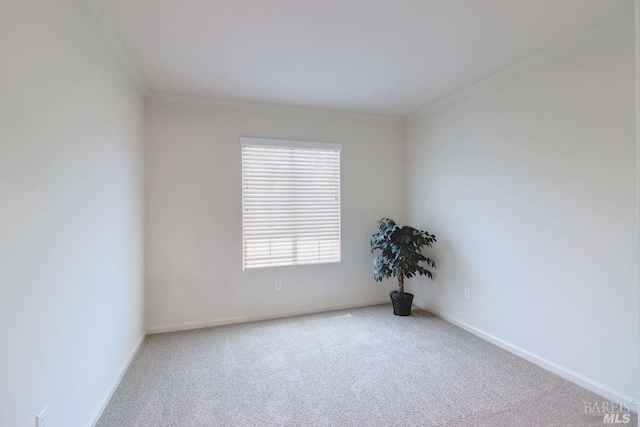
x,y
359,367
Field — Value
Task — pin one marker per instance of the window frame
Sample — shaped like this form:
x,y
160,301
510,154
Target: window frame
x,y
305,146
331,252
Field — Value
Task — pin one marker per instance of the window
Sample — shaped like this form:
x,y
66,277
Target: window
x,y
290,203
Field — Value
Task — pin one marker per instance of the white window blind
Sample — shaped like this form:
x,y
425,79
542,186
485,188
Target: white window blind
x,y
290,203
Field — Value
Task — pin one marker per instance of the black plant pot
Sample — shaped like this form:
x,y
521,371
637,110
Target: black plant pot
x,y
401,302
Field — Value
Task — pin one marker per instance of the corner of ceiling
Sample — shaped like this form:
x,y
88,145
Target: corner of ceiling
x,y
526,64
99,17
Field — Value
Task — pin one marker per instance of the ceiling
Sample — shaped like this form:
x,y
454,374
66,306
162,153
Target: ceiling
x,y
389,57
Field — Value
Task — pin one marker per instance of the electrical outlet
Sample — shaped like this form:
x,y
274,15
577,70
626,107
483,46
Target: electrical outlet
x,y
467,293
278,285
41,420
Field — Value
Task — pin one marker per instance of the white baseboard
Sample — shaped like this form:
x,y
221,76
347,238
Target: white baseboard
x,y
114,385
244,319
561,371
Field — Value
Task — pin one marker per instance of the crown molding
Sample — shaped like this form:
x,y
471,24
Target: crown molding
x,y
519,67
272,108
99,17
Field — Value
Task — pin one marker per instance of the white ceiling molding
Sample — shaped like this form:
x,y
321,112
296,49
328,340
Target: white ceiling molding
x,y
102,22
273,108
541,57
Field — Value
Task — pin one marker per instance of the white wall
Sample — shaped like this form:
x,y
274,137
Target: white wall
x,y
71,212
637,24
530,186
194,216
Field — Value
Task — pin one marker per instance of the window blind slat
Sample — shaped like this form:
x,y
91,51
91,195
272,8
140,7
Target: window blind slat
x,y
291,205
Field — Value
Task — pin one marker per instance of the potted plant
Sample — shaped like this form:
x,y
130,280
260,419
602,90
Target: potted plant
x,y
401,256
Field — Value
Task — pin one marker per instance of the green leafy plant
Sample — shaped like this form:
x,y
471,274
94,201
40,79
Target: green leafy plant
x,y
401,255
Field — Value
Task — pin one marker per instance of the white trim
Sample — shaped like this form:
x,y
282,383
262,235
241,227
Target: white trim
x,y
103,23
255,318
637,33
114,385
524,65
550,366
272,108
289,143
